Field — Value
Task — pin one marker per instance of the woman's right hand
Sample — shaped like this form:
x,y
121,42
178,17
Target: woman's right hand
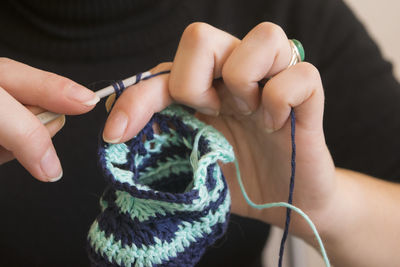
x,y
24,92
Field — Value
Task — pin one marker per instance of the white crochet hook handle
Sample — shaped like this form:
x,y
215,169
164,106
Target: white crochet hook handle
x,y
48,116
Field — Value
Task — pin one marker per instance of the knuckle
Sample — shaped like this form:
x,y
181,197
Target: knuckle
x,y
180,93
35,134
233,77
270,30
51,81
278,98
273,94
312,75
197,32
309,71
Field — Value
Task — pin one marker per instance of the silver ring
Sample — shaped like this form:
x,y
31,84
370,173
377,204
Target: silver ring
x,y
296,58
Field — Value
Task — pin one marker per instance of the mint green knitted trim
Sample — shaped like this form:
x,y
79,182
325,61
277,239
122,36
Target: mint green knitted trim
x,y
218,141
116,154
174,165
220,147
148,255
144,209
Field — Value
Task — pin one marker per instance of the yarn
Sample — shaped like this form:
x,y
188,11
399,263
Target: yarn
x,y
291,185
167,199
119,85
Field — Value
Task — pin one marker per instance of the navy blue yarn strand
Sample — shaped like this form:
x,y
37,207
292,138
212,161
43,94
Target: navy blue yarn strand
x,y
119,86
128,231
138,77
291,187
156,74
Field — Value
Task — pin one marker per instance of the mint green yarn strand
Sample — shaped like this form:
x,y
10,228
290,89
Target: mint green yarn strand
x,y
194,161
285,205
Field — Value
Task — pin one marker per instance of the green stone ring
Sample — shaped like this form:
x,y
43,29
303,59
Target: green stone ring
x,y
300,48
298,53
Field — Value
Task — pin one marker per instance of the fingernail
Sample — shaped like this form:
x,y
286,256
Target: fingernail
x,y
117,123
52,180
51,165
109,102
208,111
61,121
268,122
242,106
82,95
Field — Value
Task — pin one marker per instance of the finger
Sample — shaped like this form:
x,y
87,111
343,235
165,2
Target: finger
x,y
34,109
29,141
264,52
299,87
52,127
136,105
41,88
198,61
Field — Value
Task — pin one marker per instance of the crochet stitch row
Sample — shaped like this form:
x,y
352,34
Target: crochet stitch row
x,y
167,199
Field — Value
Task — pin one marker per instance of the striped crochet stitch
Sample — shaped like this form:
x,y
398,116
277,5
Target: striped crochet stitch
x,y
167,199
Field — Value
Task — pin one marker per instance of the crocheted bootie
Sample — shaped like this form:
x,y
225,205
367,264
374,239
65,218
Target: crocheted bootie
x,y
167,199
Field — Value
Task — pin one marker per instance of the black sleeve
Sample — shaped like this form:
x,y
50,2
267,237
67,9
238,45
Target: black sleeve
x,y
361,121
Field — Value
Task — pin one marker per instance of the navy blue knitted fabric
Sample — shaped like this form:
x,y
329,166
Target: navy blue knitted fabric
x,y
164,204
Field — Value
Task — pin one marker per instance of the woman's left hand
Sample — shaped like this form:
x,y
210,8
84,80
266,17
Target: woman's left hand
x,y
218,75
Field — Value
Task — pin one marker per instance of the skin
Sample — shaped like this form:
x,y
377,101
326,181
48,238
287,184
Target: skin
x,y
22,136
218,74
210,72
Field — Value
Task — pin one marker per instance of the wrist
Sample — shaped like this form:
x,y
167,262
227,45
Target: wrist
x,y
337,218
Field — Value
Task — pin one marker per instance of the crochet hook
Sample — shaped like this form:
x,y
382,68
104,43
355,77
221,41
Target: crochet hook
x,y
48,116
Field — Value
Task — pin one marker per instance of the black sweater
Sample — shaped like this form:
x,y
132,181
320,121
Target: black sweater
x,y
93,41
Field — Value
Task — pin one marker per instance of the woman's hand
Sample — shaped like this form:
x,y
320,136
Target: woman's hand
x,y
218,75
24,92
